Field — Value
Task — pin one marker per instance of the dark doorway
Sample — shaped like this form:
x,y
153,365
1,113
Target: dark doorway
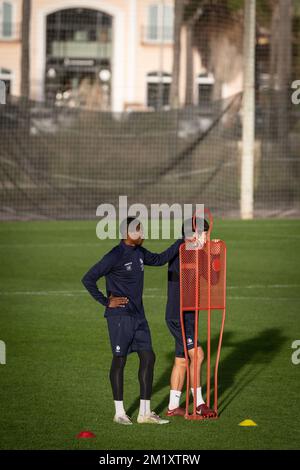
x,y
78,61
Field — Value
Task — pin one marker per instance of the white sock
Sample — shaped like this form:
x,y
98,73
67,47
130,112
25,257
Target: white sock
x,y
174,399
120,408
200,400
145,409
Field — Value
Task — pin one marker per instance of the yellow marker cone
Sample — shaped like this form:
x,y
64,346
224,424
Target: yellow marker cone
x,y
248,422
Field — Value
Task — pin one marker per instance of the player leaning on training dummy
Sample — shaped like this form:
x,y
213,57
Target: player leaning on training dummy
x,y
173,322
123,269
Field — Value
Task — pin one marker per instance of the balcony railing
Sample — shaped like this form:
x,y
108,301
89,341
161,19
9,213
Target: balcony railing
x,y
75,49
79,32
10,31
157,34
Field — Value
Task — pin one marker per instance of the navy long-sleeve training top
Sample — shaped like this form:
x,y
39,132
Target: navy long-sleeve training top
x,y
123,269
173,301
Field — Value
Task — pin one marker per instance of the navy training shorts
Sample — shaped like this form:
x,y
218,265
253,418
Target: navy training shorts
x,y
128,334
175,329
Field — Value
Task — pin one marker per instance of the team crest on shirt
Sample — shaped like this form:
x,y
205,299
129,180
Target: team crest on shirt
x,y
142,264
128,266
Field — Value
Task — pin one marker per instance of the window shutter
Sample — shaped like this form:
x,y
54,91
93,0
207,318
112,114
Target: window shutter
x,y
7,19
152,30
168,22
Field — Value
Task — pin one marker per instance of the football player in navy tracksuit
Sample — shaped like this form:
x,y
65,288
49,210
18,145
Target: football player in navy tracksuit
x,y
173,323
123,269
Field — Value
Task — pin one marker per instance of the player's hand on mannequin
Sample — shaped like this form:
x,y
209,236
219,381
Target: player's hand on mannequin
x,y
193,242
115,302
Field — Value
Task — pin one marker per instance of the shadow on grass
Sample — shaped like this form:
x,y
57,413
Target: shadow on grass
x,y
246,360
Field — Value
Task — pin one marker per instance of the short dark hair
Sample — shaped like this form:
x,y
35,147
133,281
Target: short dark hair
x,y
125,224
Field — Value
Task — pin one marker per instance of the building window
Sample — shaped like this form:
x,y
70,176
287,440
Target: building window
x,y
158,89
6,17
160,24
205,83
79,33
6,77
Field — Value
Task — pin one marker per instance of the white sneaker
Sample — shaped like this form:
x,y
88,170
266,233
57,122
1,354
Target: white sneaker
x,y
153,418
124,419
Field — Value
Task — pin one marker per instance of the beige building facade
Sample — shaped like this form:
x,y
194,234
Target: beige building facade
x,y
120,49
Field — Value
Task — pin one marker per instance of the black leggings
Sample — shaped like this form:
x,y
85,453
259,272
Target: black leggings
x,y
147,360
146,369
116,376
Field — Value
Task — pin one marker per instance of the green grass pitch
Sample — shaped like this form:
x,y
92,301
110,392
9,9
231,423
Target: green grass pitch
x,y
55,381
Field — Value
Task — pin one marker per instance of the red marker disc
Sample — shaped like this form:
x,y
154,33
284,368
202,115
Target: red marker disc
x,y
85,435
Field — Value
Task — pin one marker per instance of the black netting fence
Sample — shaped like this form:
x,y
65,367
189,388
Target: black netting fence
x,y
62,163
178,136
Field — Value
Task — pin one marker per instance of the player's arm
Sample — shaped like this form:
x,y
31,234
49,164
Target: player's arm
x,y
89,280
159,259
